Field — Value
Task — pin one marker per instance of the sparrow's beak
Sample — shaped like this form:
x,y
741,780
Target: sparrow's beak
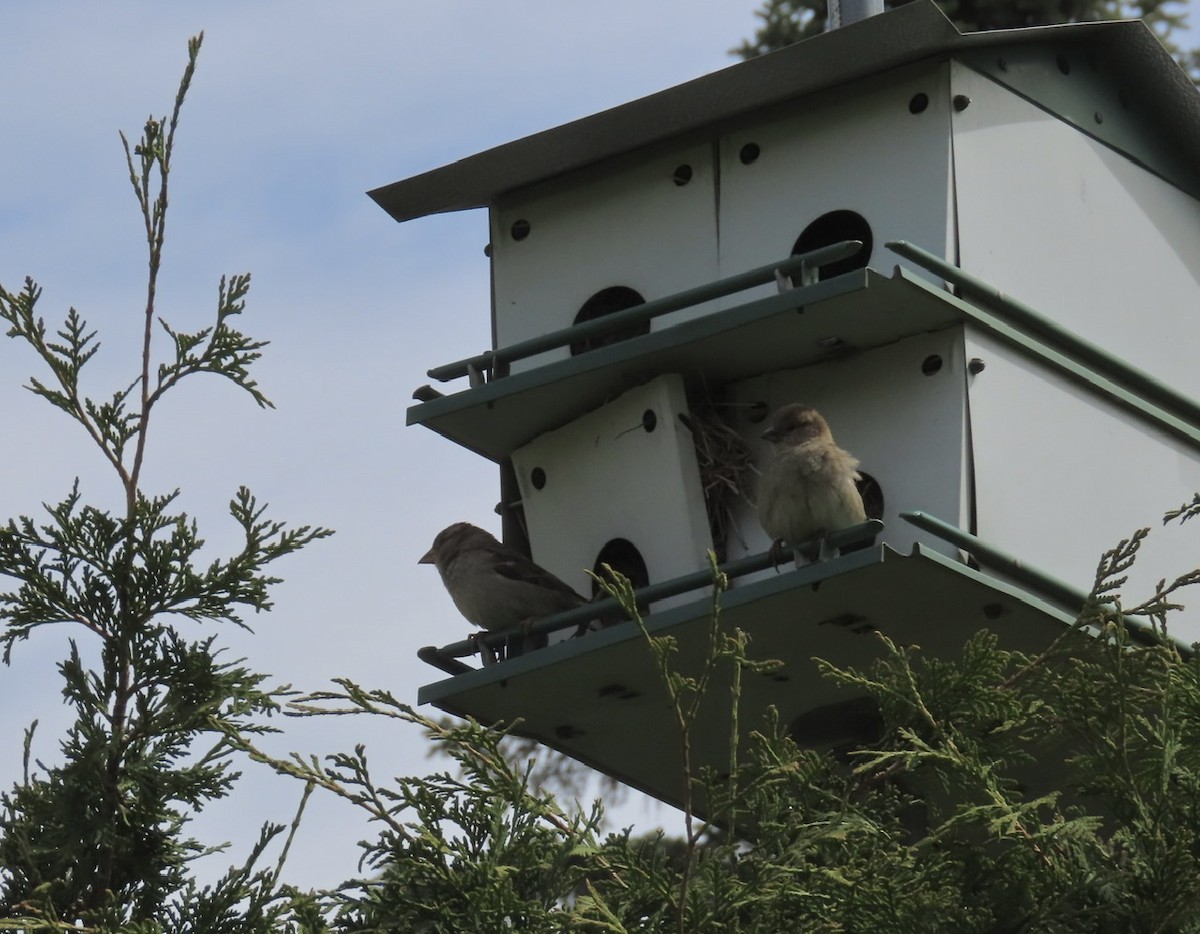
x,y
428,559
771,434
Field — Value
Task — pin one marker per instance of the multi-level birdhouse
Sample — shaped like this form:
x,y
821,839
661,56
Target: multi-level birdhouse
x,y
978,255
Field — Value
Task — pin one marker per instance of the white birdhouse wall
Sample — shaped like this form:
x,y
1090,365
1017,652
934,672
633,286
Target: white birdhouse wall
x,y
1062,474
879,152
871,162
900,409
1076,230
649,228
626,471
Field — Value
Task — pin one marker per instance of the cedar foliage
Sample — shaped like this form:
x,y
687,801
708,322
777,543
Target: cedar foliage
x,y
99,838
1008,791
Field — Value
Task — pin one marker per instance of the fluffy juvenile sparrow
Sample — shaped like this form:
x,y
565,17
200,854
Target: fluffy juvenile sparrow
x,y
492,585
807,488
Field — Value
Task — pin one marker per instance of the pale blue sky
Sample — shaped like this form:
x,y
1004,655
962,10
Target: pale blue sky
x,y
297,109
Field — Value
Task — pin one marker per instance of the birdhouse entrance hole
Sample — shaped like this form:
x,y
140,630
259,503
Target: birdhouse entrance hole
x,y
872,495
606,302
835,227
622,556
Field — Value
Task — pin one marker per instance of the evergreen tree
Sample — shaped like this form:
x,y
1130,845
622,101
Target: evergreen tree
x,y
99,838
783,22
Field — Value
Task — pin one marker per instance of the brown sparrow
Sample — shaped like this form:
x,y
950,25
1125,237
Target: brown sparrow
x,y
492,585
807,488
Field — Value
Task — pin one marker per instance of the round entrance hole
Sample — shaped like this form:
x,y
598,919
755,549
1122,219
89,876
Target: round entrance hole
x,y
835,227
606,302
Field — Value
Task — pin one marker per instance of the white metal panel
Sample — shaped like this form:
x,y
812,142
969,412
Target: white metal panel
x,y
1078,231
606,477
634,227
907,428
1061,475
861,150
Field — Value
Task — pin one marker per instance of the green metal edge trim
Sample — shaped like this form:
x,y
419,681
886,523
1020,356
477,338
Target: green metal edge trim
x,y
667,338
806,264
1137,391
661,623
862,533
656,623
1037,598
1017,569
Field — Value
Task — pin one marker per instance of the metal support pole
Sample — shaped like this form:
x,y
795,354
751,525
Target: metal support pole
x,y
845,12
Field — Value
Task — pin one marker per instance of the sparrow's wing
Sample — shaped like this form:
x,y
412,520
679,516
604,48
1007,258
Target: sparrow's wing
x,y
519,568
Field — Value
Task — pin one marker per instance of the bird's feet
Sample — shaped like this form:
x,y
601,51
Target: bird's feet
x,y
487,654
812,551
522,639
776,553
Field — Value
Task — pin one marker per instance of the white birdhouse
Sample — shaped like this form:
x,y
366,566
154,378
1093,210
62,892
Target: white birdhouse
x,y
969,252
642,509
